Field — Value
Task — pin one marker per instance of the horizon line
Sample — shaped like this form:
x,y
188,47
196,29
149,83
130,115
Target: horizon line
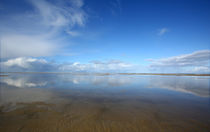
x,y
117,73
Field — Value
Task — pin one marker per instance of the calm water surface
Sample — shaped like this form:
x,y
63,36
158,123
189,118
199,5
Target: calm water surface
x,y
109,103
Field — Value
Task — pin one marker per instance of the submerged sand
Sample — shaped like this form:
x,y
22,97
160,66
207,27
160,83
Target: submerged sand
x,y
102,115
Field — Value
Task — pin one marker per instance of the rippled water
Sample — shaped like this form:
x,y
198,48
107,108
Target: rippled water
x,y
104,103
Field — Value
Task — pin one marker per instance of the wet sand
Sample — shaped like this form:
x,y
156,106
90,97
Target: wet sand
x,y
103,115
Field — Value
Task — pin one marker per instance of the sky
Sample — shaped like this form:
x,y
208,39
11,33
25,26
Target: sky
x,y
149,36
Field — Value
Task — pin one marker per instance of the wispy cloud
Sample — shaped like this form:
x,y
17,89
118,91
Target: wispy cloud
x,y
196,61
163,31
115,7
60,15
37,32
26,45
73,33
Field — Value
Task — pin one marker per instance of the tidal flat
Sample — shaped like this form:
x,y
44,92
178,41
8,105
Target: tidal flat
x,y
94,103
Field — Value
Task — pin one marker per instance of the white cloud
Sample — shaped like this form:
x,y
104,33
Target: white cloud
x,y
198,61
23,62
37,32
98,66
28,64
163,31
41,65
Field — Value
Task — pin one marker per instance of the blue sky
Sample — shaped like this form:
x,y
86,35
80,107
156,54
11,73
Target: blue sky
x,y
105,35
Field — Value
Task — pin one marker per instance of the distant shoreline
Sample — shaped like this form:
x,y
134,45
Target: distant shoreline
x,y
3,75
103,74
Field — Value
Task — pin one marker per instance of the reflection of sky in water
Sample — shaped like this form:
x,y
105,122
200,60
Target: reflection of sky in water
x,y
188,84
43,87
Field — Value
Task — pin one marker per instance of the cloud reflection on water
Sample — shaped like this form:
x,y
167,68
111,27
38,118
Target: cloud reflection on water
x,y
194,85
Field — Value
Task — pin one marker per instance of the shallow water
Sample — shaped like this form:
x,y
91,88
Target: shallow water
x,y
104,103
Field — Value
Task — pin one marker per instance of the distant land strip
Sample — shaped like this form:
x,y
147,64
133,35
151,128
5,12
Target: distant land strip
x,y
3,75
166,74
103,74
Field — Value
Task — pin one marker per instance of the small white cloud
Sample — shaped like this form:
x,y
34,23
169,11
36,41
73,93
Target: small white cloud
x,y
204,69
163,31
73,33
97,66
